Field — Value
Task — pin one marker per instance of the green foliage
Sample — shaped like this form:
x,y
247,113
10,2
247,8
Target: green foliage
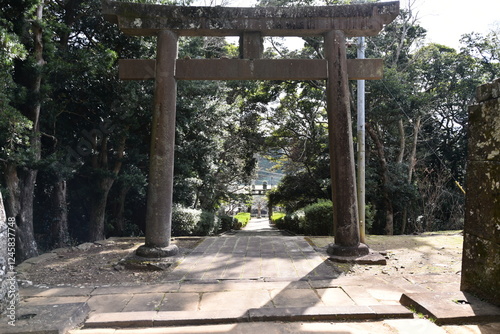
x,y
15,130
318,218
293,222
227,222
187,221
276,216
243,218
208,224
314,219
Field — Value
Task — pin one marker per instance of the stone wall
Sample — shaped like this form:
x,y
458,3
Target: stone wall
x,y
481,253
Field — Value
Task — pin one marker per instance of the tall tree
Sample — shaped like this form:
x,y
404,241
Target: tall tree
x,y
25,20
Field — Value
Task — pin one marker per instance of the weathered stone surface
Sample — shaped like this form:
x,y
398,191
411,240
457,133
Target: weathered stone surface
x,y
246,69
481,268
354,20
451,307
121,319
484,131
341,150
251,45
481,253
488,91
372,258
47,319
483,200
161,161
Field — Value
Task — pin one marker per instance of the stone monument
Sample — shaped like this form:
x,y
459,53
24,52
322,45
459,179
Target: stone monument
x,y
481,252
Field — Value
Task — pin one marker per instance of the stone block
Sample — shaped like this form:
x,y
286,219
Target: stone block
x,y
315,313
295,298
481,268
488,91
47,319
484,131
180,302
482,214
121,320
144,302
391,311
109,303
452,307
338,297
234,300
199,317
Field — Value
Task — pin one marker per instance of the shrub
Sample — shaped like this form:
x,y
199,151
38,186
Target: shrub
x,y
208,224
318,218
187,221
184,220
291,222
243,218
276,216
227,223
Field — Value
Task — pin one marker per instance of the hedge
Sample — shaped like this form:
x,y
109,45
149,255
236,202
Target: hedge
x,y
314,219
187,221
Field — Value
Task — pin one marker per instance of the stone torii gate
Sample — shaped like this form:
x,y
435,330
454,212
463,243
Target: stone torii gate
x,y
333,23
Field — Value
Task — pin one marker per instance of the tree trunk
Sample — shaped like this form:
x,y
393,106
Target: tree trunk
x,y
21,181
59,226
402,142
413,155
98,202
19,205
411,167
97,213
119,210
384,171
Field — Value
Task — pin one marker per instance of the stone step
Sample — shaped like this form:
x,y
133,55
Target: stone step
x,y
289,314
451,307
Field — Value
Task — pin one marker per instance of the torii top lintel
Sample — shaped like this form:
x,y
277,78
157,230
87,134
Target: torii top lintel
x,y
354,20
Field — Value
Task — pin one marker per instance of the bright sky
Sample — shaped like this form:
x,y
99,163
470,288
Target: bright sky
x,y
447,20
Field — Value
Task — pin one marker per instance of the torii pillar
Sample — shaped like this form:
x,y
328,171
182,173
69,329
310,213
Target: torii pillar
x,y
161,158
342,170
334,23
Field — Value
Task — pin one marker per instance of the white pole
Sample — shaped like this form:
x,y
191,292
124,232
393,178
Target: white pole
x,y
361,146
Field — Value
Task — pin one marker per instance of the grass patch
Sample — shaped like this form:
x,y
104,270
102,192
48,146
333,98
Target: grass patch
x,y
277,215
243,219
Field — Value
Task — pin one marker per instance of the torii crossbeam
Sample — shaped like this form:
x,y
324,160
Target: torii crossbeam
x,y
334,23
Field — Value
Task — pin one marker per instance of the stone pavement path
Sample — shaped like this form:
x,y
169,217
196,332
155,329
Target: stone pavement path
x,y
257,252
256,280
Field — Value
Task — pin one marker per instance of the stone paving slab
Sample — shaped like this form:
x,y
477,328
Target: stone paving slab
x,y
231,300
375,327
189,301
253,256
452,307
323,313
46,319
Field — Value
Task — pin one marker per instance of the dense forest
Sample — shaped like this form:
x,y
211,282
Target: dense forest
x,y
74,140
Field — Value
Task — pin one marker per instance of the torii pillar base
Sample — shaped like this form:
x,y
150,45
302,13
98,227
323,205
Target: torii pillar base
x,y
157,252
339,250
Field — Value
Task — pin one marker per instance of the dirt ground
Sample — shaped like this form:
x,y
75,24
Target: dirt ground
x,y
427,253
103,263
111,262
